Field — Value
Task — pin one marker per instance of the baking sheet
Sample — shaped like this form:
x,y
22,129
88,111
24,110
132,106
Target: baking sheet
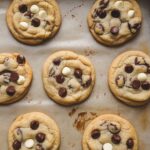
x,y
74,35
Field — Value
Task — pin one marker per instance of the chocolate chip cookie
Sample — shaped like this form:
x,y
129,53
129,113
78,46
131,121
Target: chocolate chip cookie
x,y
15,77
110,132
35,131
33,21
113,22
68,77
129,77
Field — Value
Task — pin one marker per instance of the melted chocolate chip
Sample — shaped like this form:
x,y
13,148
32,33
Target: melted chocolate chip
x,y
57,61
102,13
34,125
130,143
28,14
16,145
60,78
114,30
145,86
88,83
115,13
21,59
136,26
136,84
23,8
10,90
14,77
128,68
78,73
95,134
116,139
39,147
104,3
36,22
62,92
120,81
40,137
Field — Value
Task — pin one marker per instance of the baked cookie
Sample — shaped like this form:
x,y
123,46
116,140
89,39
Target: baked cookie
x,y
68,77
113,22
15,77
33,21
110,132
129,77
34,131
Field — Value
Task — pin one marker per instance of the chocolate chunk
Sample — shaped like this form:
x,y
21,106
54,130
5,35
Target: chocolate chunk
x,y
60,78
130,143
128,68
62,92
78,73
88,83
57,61
29,14
136,84
21,59
40,137
115,13
102,13
23,8
10,90
145,86
134,28
114,128
14,77
34,125
104,3
36,22
120,81
95,134
114,30
116,139
39,147
16,145
148,70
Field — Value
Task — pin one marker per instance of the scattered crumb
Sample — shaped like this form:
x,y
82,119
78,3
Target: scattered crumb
x,y
89,52
72,112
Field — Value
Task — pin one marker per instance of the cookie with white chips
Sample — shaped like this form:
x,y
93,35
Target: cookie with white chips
x,y
68,78
129,77
15,77
33,131
113,22
33,21
110,132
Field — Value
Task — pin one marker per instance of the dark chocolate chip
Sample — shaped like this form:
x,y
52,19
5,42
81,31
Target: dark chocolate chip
x,y
88,83
145,86
102,13
36,22
148,70
10,90
60,78
23,8
39,147
57,61
14,77
136,27
95,134
115,13
21,59
40,137
130,143
62,92
104,3
16,145
34,125
116,139
78,73
136,84
29,14
114,30
128,68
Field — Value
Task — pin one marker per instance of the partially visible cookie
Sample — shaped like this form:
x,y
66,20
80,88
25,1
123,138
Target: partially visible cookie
x,y
113,22
15,77
35,131
110,132
33,21
68,77
129,78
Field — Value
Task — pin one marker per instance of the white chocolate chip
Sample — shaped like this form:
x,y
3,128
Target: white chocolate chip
x,y
10,63
43,14
43,23
142,76
24,25
21,80
107,146
66,71
29,143
51,18
34,9
118,3
131,13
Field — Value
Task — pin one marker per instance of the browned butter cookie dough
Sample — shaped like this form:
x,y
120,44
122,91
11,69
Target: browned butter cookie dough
x,y
129,77
113,22
110,132
33,21
34,131
68,77
15,77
